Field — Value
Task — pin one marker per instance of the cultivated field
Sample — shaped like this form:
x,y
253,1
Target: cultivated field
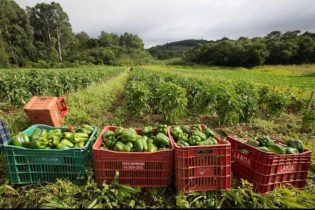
x,y
268,100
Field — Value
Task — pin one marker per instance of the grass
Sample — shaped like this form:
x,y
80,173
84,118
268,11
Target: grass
x,y
91,105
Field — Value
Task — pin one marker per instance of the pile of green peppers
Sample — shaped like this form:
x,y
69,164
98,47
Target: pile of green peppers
x,y
264,143
194,135
127,139
54,139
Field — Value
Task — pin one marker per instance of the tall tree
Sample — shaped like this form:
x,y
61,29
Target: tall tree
x,y
52,27
16,33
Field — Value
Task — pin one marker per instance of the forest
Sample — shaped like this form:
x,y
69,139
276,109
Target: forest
x,y
42,36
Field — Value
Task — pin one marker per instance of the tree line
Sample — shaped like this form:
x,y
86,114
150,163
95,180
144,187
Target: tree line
x,y
292,47
42,36
174,49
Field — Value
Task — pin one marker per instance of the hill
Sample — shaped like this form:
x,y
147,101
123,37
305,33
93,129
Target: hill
x,y
174,49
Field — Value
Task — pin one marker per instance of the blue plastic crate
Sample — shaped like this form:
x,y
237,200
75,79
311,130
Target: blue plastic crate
x,y
4,134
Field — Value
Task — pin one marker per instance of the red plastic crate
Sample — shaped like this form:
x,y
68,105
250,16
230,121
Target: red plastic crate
x,y
46,110
140,169
202,168
268,170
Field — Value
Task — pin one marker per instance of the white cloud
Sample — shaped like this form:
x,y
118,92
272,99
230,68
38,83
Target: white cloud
x,y
160,21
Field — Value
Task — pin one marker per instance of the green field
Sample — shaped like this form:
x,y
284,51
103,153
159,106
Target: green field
x,y
103,102
299,79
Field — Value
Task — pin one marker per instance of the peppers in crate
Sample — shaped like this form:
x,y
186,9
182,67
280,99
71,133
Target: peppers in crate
x,y
130,141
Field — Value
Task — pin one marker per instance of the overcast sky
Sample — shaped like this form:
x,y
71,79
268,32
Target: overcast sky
x,y
162,21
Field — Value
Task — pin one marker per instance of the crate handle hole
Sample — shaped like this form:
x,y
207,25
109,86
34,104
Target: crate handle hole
x,y
204,151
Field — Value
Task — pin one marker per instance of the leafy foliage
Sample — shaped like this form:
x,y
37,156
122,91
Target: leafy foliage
x,y
137,98
172,101
275,48
18,86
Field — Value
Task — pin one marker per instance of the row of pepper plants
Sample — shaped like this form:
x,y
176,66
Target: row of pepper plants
x,y
174,96
18,86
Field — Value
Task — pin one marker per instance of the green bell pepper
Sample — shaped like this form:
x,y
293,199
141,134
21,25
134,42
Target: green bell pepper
x,y
199,134
18,140
139,144
193,140
53,133
39,134
107,134
197,127
145,143
67,143
129,135
183,137
298,144
176,131
68,135
152,147
206,142
162,140
128,147
118,131
162,129
291,150
79,145
253,143
55,140
119,146
39,144
182,144
147,131
209,132
277,148
264,141
186,129
87,128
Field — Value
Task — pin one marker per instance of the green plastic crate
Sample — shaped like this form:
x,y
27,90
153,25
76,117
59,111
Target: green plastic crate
x,y
34,166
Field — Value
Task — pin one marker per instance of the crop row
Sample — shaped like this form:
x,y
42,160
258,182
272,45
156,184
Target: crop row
x,y
18,86
173,96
